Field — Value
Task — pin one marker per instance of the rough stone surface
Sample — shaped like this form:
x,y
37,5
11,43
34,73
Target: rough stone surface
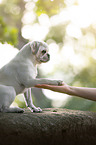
x,y
51,127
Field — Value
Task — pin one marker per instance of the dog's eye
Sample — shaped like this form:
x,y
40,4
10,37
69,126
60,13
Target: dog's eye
x,y
44,51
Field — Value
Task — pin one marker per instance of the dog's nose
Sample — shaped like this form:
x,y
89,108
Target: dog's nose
x,y
48,56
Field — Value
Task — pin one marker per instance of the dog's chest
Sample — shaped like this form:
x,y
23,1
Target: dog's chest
x,y
33,72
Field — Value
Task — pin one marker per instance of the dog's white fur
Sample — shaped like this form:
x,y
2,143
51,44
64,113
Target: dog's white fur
x,y
19,75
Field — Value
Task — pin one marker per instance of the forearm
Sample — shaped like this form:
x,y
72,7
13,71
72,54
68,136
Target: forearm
x,y
87,93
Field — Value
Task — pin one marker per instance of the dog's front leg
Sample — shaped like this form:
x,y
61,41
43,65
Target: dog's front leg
x,y
29,102
32,82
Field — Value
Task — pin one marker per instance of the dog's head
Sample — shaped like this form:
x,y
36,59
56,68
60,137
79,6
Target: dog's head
x,y
40,51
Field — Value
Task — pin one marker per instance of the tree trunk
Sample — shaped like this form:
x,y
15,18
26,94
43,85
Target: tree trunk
x,y
51,127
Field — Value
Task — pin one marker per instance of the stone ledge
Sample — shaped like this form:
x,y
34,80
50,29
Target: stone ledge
x,y
51,127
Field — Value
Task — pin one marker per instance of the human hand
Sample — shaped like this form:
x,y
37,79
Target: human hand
x,y
62,89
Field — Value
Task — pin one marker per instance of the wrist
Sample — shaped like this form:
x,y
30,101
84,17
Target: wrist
x,y
71,90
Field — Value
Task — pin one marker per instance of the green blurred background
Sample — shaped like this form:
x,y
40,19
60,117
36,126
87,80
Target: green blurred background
x,y
69,28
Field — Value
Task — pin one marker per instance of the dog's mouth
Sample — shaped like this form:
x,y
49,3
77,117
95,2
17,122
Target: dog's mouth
x,y
44,58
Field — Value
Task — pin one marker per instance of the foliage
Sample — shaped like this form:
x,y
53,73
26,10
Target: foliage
x,y
54,30
76,103
49,7
87,76
10,21
7,34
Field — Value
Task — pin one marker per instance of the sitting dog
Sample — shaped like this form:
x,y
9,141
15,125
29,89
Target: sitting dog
x,y
19,75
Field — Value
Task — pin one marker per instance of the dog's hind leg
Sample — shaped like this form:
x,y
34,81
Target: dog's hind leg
x,y
7,96
29,102
12,110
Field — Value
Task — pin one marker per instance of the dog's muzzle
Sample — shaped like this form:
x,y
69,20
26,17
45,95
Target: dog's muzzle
x,y
48,56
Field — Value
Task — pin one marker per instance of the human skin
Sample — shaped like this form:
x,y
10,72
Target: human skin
x,y
83,92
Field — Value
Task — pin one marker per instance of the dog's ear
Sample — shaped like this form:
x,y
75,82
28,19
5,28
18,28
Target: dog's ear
x,y
34,47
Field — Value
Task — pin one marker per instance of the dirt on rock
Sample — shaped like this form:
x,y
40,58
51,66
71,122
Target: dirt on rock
x,y
51,127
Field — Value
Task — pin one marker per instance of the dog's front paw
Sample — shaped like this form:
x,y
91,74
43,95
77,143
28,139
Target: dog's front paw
x,y
60,83
37,110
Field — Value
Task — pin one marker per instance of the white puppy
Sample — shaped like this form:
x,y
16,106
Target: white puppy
x,y
20,74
